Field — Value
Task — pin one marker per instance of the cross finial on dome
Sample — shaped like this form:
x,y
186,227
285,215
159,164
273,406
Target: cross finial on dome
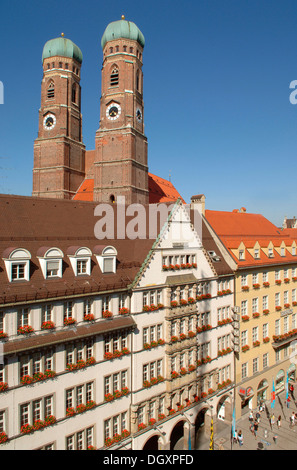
x,y
123,17
62,34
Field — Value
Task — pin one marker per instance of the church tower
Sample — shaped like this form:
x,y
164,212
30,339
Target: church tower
x,y
59,153
120,165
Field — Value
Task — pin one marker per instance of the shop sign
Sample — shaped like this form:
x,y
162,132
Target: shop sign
x,y
245,392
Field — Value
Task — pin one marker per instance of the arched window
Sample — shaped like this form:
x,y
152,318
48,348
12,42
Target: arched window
x,y
114,76
137,81
51,90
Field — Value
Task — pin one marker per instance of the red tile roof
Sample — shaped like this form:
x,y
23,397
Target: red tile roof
x,y
160,190
235,227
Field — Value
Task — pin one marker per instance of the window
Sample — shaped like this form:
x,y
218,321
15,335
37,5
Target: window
x,y
265,330
52,268
265,360
81,440
255,365
244,370
294,250
50,260
257,253
265,276
73,93
277,299
68,310
255,334
265,302
255,278
241,254
244,307
114,76
270,253
243,280
277,327
23,317
277,274
18,271
82,266
244,338
255,305
283,253
51,91
286,324
47,311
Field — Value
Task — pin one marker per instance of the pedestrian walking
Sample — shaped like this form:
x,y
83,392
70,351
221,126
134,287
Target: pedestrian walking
x,y
292,420
272,419
279,421
251,417
235,439
288,402
258,416
255,429
240,438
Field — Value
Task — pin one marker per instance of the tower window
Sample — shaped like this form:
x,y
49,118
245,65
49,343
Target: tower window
x,y
60,65
114,77
51,91
74,93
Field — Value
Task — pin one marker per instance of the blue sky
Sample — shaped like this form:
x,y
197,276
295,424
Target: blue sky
x,y
216,92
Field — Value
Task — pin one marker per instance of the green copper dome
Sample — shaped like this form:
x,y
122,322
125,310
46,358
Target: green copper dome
x,y
62,47
122,29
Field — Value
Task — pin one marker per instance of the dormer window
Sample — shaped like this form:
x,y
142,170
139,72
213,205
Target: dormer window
x,y
17,263
270,252
106,257
241,254
51,262
80,259
257,253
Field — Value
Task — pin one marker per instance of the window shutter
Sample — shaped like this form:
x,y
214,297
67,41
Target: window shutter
x,y
108,265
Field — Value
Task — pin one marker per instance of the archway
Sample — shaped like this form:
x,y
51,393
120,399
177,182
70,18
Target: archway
x,y
177,436
152,443
224,409
200,435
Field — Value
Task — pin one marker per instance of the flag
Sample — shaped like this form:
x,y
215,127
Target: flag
x,y
287,387
233,423
273,395
189,440
211,444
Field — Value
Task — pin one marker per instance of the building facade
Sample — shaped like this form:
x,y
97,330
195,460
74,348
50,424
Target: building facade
x,y
265,296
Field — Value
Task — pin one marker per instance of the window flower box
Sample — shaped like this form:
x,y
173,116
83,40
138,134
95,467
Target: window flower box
x,y
152,421
147,384
165,267
171,411
210,391
191,300
177,267
117,394
294,279
245,288
69,321
278,308
49,374
47,325
266,284
108,397
2,334
160,378
256,286
126,351
3,437
287,305
286,280
183,371
206,359
183,336
183,302
173,303
90,361
194,265
174,374
265,311
161,416
117,353
38,377
90,404
153,307
278,282
199,329
3,387
125,433
206,327
80,408
108,442
161,341
245,348
294,303
188,265
172,267
183,266
108,356
191,334
141,426
125,391
38,424
225,321
245,318
179,407
27,429
123,311
70,412
174,339
219,293
89,317
266,339
256,315
199,362
203,395
25,330
191,367
256,344
106,314
27,380
50,420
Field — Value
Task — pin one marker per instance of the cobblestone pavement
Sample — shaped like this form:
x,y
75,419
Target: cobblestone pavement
x,y
269,437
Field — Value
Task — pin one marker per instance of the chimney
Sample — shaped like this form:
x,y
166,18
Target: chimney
x,y
198,203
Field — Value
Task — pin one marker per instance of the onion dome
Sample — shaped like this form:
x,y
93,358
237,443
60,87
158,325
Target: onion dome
x,y
62,47
122,29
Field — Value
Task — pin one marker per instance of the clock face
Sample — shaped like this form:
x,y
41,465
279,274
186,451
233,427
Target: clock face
x,y
49,122
138,115
113,111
